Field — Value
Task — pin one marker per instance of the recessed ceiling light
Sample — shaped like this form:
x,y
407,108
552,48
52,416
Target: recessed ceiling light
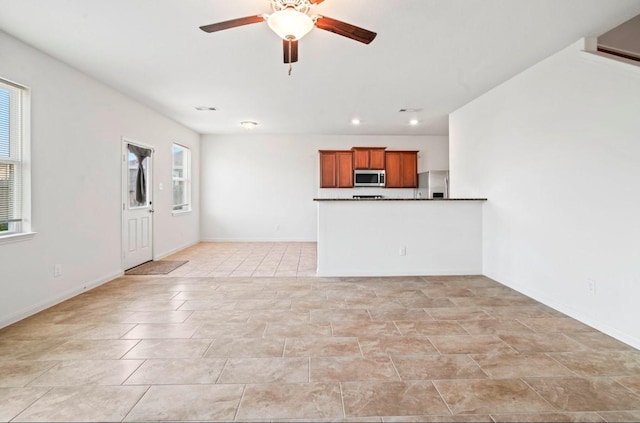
x,y
248,124
355,121
206,108
414,122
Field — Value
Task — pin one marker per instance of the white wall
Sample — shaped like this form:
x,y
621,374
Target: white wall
x,y
556,150
261,187
399,238
77,129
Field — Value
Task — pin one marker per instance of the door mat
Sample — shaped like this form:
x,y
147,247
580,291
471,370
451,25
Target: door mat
x,y
160,267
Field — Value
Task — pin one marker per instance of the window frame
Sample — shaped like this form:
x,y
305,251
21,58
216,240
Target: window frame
x,y
186,179
22,163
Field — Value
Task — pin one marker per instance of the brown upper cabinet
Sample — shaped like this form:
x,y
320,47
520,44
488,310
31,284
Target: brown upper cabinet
x,y
401,169
336,169
368,157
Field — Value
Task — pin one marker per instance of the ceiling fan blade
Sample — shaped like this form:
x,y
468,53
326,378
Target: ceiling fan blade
x,y
290,49
345,29
232,23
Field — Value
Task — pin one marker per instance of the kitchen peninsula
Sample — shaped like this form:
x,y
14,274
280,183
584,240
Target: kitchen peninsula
x,y
399,237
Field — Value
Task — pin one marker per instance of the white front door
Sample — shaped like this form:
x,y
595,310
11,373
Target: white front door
x,y
137,204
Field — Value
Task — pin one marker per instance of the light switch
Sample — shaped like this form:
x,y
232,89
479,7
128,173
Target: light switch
x,y
161,186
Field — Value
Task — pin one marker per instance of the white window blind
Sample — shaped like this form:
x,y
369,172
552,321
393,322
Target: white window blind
x,y
181,178
11,139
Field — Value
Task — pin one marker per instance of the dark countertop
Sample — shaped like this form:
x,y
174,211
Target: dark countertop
x,y
399,199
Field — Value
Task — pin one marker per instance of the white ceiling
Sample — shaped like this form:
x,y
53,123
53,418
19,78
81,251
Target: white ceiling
x,y
434,55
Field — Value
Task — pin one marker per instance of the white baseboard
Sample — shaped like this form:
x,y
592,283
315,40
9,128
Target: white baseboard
x,y
160,256
43,305
571,312
255,240
369,274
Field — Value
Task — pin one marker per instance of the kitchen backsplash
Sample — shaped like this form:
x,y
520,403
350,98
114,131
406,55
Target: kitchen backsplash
x,y
350,192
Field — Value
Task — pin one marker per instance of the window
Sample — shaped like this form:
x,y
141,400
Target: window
x,y
14,196
138,176
181,178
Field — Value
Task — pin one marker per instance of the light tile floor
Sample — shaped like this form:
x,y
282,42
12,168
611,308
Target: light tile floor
x,y
213,340
260,259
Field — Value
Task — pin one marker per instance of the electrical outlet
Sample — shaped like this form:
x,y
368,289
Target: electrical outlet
x,y
57,270
403,251
591,286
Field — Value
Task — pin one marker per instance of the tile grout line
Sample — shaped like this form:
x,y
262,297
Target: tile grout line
x,y
47,370
136,403
479,366
244,389
539,395
395,368
442,398
224,366
12,419
132,347
359,346
133,372
206,350
284,346
433,344
344,411
549,354
634,393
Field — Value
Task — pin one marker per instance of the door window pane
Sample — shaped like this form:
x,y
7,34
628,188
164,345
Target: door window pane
x,y
134,169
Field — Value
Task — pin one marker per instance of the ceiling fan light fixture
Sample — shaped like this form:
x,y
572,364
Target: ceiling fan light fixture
x,y
290,24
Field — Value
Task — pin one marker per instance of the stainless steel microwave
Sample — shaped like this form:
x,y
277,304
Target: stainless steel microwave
x,y
368,178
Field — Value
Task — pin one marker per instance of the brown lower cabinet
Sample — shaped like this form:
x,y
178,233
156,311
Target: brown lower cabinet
x,y
401,169
336,169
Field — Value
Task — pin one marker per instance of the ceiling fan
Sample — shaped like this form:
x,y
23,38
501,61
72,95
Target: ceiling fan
x,y
291,20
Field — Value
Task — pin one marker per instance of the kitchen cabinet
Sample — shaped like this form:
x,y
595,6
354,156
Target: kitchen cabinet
x,y
401,169
336,169
368,157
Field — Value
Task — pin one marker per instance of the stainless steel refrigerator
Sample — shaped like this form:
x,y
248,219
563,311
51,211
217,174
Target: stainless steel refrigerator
x,y
433,184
